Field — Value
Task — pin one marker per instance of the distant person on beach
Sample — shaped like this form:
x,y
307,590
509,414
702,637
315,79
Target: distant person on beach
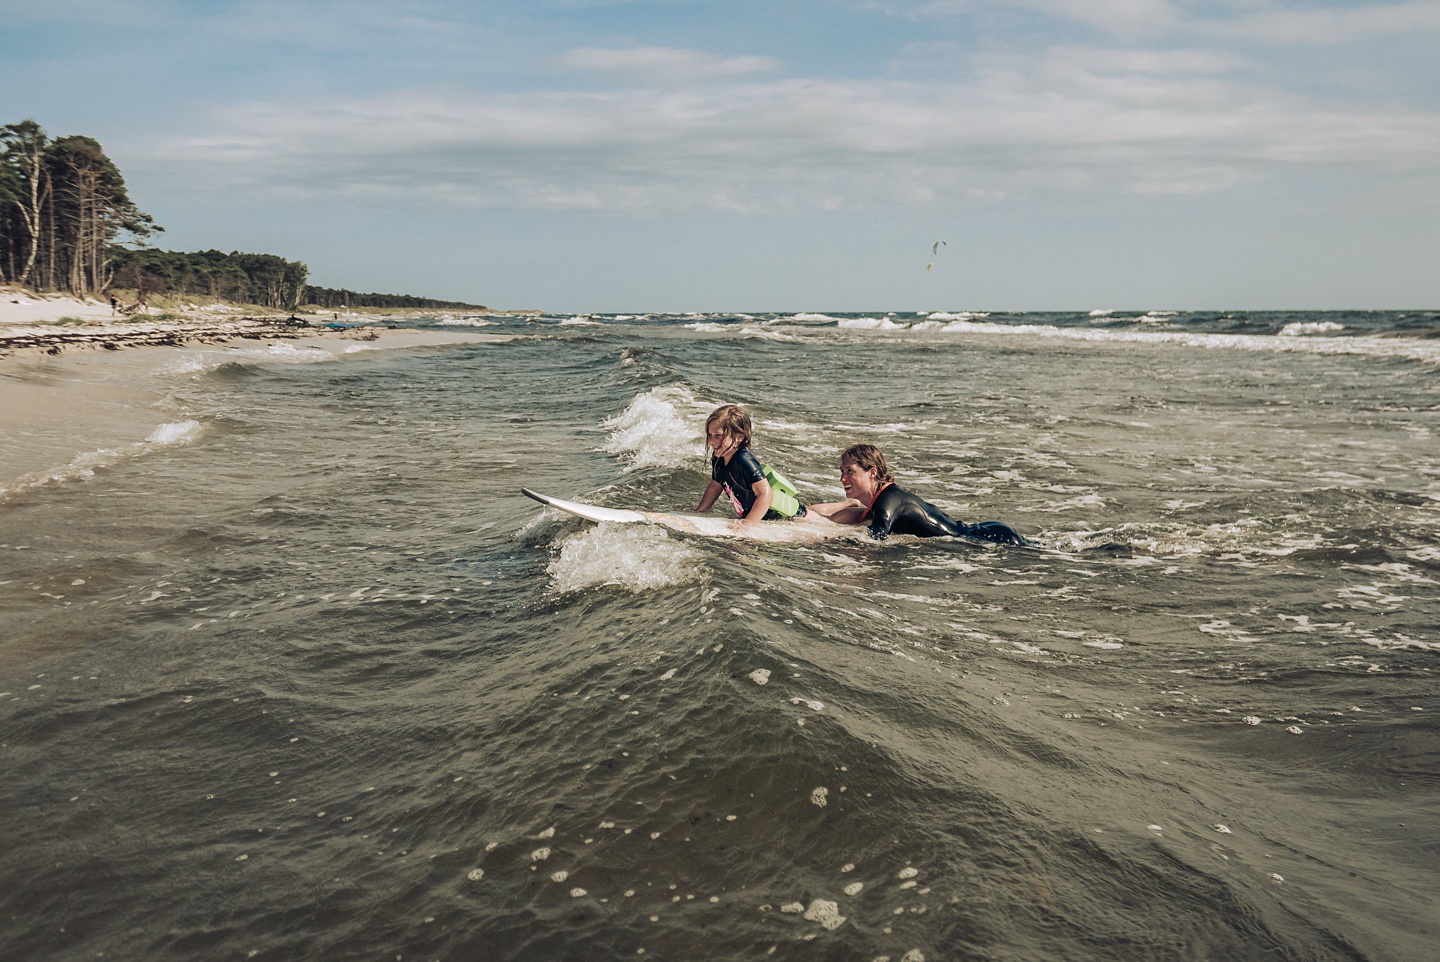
x,y
114,305
875,499
140,306
757,492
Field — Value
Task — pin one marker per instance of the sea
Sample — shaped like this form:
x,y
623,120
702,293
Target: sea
x,y
297,672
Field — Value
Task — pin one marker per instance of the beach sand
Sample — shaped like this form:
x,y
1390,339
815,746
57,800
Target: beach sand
x,y
72,400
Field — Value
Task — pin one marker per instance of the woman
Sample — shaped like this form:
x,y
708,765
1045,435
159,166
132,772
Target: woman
x,y
876,499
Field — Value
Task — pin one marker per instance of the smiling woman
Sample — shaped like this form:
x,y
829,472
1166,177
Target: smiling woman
x,y
877,501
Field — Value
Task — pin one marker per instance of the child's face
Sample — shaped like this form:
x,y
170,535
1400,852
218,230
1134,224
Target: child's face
x,y
721,441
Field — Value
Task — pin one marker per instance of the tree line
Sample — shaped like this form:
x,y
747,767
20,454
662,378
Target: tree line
x,y
263,279
67,224
332,298
63,205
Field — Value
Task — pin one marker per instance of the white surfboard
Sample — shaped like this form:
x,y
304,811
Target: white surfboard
x,y
793,531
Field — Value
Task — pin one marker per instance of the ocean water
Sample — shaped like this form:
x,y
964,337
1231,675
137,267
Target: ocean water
x,y
299,673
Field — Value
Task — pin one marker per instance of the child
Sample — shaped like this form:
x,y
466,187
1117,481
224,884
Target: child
x,y
756,491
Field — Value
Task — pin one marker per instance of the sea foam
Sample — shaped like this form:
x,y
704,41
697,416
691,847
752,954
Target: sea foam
x,y
661,428
1300,328
868,324
631,557
85,465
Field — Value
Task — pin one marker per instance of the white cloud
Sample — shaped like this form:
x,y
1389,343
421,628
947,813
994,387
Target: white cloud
x,y
666,63
1116,16
1286,25
1094,120
1266,21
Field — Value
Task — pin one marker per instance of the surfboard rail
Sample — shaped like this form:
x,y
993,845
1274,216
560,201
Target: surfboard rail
x,y
791,530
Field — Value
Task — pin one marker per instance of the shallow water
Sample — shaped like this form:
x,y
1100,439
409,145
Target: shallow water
x,y
308,677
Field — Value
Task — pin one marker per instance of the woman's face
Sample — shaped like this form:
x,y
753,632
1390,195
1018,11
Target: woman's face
x,y
858,482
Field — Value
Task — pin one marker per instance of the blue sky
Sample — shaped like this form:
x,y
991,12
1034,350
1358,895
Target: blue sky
x,y
684,155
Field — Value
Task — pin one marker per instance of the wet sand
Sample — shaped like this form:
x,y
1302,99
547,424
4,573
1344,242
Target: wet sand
x,y
70,390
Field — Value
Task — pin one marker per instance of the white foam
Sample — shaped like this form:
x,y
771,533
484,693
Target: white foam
x,y
961,316
1300,328
1370,346
466,322
826,913
297,355
661,428
85,465
868,324
178,432
631,557
576,321
200,361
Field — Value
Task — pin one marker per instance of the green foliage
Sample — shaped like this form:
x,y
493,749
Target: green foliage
x,y
63,205
263,279
65,217
331,298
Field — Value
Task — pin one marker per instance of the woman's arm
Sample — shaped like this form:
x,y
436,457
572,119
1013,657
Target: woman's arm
x,y
707,500
849,511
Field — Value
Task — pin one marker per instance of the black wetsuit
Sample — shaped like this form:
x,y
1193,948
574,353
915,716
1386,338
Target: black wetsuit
x,y
896,511
738,478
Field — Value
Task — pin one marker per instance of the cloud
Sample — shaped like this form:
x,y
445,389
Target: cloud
x,y
1115,16
1293,26
1074,119
666,63
1281,24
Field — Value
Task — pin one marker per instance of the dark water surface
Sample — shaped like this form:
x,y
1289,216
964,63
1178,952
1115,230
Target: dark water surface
x,y
305,676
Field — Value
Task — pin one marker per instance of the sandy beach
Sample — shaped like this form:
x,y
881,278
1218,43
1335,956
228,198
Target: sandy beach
x,y
73,398
53,323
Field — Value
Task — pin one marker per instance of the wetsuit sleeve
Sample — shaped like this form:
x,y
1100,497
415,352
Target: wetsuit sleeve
x,y
882,515
746,469
996,531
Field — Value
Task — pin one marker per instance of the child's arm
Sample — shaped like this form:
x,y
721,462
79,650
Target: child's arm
x,y
763,497
707,500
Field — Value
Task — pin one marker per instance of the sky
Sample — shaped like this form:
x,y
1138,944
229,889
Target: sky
x,y
690,155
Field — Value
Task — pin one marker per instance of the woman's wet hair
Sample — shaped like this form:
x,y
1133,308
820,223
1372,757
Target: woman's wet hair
x,y
867,456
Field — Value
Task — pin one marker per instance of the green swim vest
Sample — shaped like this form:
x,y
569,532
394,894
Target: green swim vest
x,y
784,499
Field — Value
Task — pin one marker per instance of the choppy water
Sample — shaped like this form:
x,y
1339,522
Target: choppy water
x,y
303,675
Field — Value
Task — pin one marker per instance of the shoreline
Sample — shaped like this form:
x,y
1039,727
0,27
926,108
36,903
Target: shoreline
x,y
33,323
72,402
